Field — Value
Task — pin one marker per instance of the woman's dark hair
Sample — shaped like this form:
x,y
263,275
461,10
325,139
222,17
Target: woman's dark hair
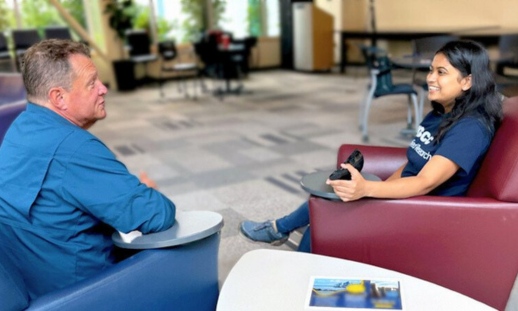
x,y
481,100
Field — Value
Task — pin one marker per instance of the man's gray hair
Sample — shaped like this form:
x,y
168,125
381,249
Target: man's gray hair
x,y
46,65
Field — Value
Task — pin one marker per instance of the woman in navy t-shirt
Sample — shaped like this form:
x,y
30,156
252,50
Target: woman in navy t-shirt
x,y
446,152
452,140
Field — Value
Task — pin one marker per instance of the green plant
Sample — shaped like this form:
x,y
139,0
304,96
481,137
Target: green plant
x,y
122,14
40,13
255,18
76,9
6,17
218,7
198,21
195,23
142,22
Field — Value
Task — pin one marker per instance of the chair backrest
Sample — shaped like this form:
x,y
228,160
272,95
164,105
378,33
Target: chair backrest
x,y
3,43
13,292
12,88
508,43
57,32
427,46
8,113
207,51
217,36
24,38
167,50
377,59
250,42
508,49
138,42
498,175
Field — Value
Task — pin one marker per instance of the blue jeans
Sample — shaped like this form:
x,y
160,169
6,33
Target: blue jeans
x,y
296,219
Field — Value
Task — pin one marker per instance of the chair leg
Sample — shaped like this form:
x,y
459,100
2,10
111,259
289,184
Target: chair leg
x,y
240,75
411,129
409,113
194,88
417,110
182,86
422,97
161,85
364,112
361,109
365,121
203,85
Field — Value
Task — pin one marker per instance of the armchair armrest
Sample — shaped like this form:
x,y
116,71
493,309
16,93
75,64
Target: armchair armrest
x,y
380,161
8,113
181,278
465,244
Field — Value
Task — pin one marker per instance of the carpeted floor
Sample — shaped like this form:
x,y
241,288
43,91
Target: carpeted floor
x,y
243,156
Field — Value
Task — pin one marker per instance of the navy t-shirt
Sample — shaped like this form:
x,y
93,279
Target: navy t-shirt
x,y
465,143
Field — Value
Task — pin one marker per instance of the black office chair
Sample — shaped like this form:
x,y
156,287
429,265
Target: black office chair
x,y
6,60
507,59
169,63
139,46
22,40
223,64
57,32
210,65
25,38
244,59
380,71
427,46
508,50
208,54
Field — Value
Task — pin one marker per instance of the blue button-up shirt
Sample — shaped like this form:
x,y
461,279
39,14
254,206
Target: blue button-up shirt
x,y
62,192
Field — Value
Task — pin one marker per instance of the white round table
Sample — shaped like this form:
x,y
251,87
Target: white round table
x,y
189,226
279,280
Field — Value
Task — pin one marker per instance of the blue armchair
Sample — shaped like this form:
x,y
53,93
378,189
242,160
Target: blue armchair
x,y
184,277
12,100
177,278
12,89
8,113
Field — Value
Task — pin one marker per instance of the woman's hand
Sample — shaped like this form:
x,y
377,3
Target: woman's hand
x,y
435,172
349,190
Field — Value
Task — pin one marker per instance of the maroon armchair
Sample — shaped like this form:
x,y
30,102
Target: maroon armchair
x,y
467,244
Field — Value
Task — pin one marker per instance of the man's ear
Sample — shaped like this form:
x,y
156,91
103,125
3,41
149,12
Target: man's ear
x,y
466,83
56,98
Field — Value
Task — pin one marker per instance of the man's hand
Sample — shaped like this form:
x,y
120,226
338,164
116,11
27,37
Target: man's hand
x,y
147,181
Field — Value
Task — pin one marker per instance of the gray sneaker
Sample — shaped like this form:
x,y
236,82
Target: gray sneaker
x,y
263,232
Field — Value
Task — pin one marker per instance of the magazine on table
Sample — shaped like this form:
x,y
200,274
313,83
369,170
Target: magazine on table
x,y
348,294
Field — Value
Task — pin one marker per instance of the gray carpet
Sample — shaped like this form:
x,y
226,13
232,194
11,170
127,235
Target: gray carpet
x,y
243,156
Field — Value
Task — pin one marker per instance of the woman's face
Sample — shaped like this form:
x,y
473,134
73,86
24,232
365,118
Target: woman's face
x,y
445,82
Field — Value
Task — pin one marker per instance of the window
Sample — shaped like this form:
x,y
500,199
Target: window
x,y
38,14
235,18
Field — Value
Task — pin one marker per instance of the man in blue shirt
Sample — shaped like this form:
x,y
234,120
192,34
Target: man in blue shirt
x,y
62,190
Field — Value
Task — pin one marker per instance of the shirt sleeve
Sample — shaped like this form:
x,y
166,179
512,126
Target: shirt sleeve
x,y
465,143
96,182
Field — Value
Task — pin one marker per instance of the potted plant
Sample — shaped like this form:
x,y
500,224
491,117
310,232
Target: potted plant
x,y
121,14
